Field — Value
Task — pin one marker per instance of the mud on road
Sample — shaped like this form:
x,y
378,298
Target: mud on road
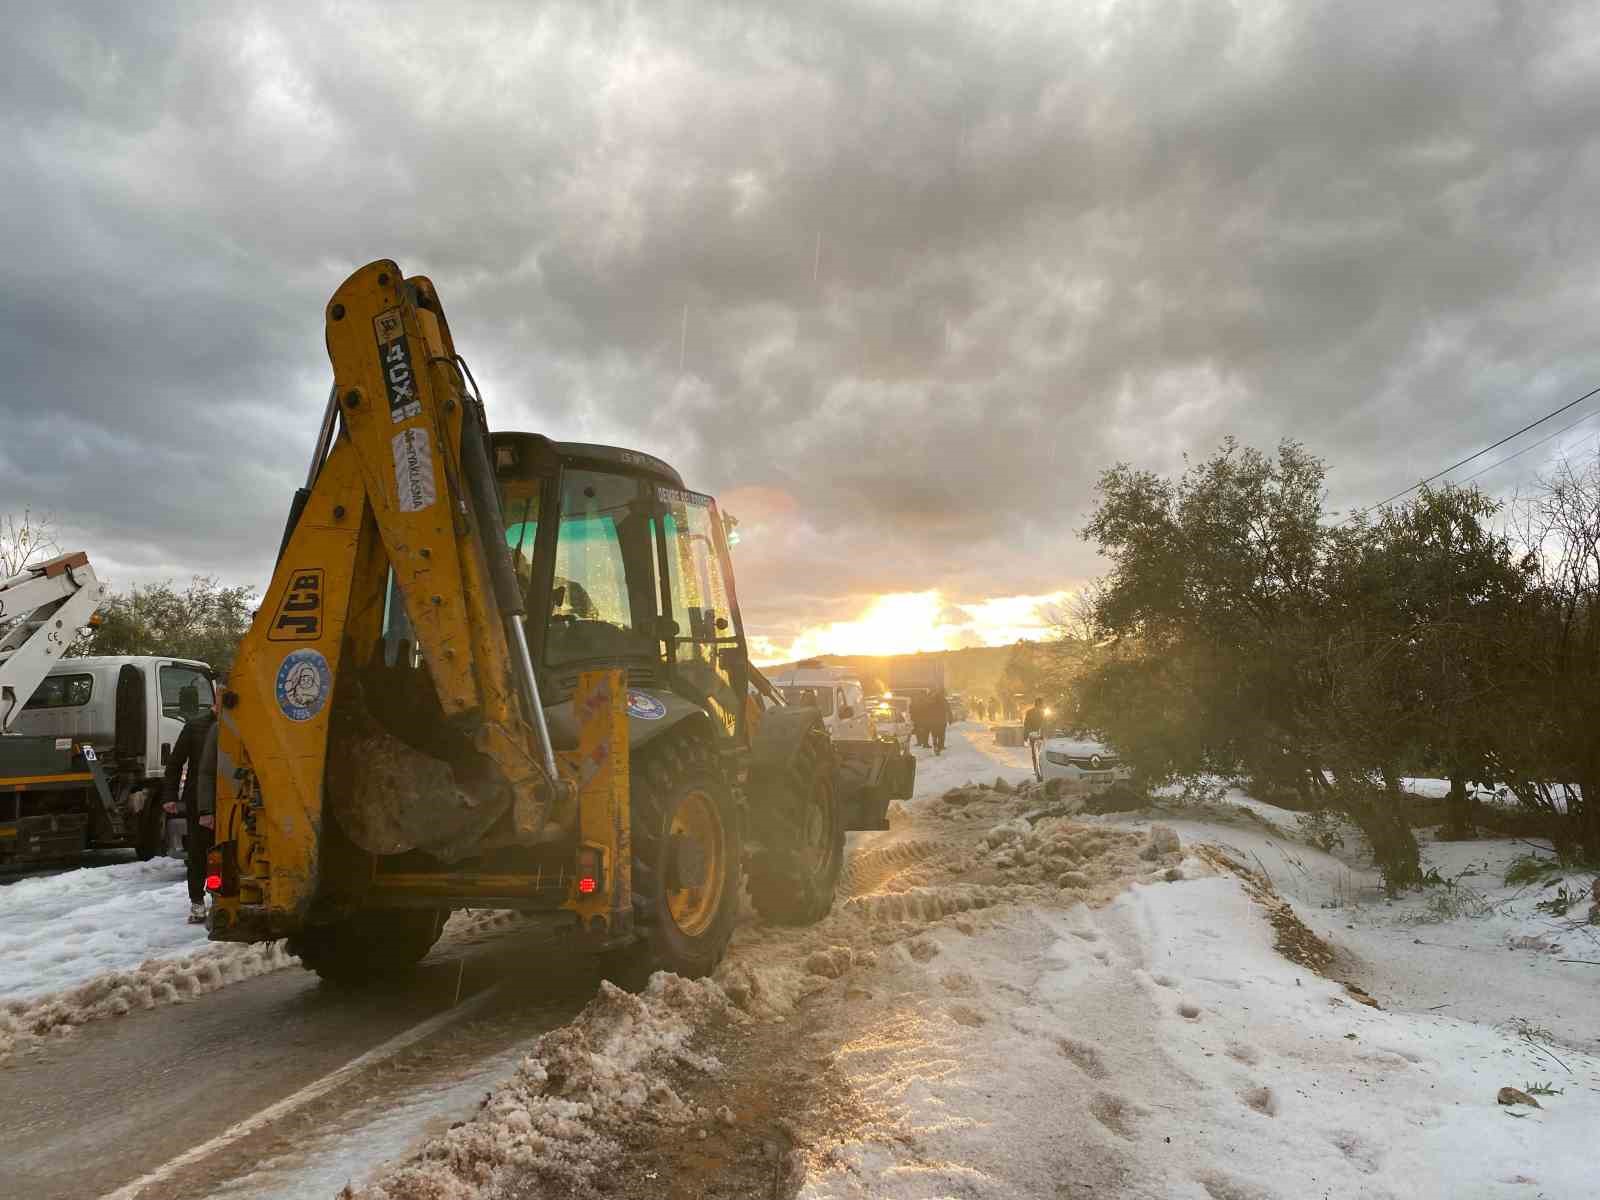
x,y
754,1084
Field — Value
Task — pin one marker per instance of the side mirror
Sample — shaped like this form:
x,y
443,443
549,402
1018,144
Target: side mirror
x,y
166,752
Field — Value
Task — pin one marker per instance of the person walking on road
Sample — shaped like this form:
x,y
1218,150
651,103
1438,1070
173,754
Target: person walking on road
x,y
919,718
196,750
1033,732
938,718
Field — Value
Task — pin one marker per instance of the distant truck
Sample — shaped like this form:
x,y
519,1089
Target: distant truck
x,y
82,766
916,676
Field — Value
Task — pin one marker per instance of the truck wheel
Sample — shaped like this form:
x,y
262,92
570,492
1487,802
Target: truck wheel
x,y
793,878
686,853
151,825
369,946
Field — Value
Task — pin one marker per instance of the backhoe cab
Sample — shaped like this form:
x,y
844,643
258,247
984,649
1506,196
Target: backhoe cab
x,y
504,671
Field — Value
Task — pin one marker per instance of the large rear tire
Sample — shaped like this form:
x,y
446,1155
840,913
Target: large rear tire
x,y
794,876
370,946
686,851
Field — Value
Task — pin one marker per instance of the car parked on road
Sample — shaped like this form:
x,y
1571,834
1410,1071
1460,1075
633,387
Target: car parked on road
x,y
891,717
1082,760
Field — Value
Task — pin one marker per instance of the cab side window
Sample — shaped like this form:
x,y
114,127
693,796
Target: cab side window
x,y
185,691
62,691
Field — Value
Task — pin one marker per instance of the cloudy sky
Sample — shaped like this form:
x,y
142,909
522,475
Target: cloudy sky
x,y
895,280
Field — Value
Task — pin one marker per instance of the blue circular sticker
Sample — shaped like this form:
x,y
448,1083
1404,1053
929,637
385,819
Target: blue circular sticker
x,y
304,682
645,706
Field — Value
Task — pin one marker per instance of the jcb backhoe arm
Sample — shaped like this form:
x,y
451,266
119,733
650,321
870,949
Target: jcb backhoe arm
x,y
401,481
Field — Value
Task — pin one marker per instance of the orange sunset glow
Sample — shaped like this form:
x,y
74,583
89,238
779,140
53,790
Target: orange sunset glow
x,y
913,622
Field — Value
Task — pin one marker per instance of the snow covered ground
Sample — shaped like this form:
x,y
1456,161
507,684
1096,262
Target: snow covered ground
x,y
974,1020
60,930
99,942
1162,1047
1471,945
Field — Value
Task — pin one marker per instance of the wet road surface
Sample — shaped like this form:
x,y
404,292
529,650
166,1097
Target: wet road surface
x,y
121,1098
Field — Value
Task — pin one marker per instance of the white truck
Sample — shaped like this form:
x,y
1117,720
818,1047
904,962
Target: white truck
x,y
84,742
833,691
916,675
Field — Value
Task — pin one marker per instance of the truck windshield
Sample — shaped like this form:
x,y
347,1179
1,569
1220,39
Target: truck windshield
x,y
820,698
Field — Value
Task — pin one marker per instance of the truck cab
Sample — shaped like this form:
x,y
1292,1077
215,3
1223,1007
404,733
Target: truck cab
x,y
128,710
833,692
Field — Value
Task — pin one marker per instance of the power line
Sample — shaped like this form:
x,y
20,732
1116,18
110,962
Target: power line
x,y
1532,446
1478,454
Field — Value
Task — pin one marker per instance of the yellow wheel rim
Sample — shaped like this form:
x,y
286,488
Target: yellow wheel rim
x,y
697,820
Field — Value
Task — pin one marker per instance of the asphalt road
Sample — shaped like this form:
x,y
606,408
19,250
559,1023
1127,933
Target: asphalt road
x,y
120,1098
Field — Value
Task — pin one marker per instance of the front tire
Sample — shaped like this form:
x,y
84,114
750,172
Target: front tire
x,y
793,878
686,851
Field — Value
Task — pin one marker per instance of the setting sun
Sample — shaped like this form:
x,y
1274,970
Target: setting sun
x,y
915,622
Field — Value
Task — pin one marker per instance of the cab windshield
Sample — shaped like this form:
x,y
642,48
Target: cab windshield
x,y
628,552
602,601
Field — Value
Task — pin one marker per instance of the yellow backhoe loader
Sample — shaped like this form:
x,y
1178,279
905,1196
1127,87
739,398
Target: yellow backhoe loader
x,y
496,670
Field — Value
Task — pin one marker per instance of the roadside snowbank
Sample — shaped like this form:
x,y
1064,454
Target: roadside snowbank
x,y
61,930
101,942
1471,944
564,1115
1161,1048
149,985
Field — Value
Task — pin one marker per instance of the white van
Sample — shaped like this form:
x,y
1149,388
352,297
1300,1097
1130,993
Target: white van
x,y
833,691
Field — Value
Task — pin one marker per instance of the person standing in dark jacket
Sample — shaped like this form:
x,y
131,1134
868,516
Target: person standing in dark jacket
x,y
938,718
196,749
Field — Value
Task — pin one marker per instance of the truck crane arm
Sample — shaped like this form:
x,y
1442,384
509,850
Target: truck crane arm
x,y
41,609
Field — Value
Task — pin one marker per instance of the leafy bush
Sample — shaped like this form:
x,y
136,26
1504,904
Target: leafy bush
x,y
1449,899
1322,828
1199,791
1119,797
1558,904
1527,869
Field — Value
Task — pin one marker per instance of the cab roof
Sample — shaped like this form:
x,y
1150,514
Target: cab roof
x,y
617,458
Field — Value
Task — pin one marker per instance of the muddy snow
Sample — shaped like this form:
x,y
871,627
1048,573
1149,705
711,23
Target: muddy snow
x,y
1012,997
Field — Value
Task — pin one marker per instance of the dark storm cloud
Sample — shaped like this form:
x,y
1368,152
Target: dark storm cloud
x,y
928,268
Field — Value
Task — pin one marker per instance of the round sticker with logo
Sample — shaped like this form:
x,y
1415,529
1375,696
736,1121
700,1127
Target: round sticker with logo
x,y
645,706
304,682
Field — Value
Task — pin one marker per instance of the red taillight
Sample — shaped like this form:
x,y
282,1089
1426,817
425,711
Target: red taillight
x,y
590,870
213,883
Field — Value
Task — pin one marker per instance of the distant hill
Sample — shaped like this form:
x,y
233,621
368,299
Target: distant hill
x,y
974,669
